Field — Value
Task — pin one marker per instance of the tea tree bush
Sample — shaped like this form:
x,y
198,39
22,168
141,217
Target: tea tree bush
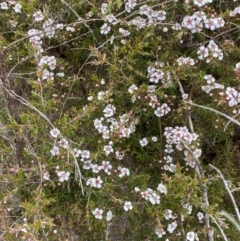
x,y
119,120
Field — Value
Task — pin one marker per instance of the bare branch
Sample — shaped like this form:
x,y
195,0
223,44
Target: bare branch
x,y
229,191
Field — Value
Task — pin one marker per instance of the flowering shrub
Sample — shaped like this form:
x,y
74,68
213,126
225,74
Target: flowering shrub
x,y
120,120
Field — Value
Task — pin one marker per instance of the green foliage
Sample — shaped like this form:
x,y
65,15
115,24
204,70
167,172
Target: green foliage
x,y
93,71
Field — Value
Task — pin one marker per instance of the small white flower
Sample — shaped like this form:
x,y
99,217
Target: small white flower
x,y
63,176
143,142
105,29
154,198
38,16
184,96
94,182
188,207
63,143
162,189
124,172
109,110
172,226
46,175
137,189
97,213
85,154
54,132
4,6
200,216
55,151
191,236
154,139
70,29
108,149
17,8
160,232
60,74
127,206
90,98
104,8
132,88
168,214
76,152
165,29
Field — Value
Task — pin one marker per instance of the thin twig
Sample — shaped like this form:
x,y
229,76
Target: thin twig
x,y
215,111
219,227
228,190
200,173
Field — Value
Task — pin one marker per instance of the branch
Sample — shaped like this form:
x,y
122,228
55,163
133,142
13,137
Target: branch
x,y
229,191
215,111
219,227
200,173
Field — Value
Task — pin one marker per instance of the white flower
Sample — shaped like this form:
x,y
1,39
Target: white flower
x,y
59,26
200,216
95,182
63,143
124,32
17,8
49,76
87,165
46,175
165,29
54,132
61,74
137,189
4,6
154,139
184,96
168,214
162,189
70,29
118,155
105,29
108,149
55,151
104,8
143,142
85,154
97,213
109,216
76,152
159,231
162,110
132,88
127,206
63,176
124,172
109,110
188,207
154,198
172,226
191,236
38,16
96,168
106,166
111,19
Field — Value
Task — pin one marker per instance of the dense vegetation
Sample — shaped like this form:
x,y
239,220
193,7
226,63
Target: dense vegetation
x,y
119,120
